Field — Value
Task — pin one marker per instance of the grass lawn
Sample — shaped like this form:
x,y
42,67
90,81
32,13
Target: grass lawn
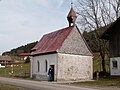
x,y
21,70
97,66
103,82
18,71
9,87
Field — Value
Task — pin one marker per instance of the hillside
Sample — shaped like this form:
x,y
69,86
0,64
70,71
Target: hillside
x,y
21,49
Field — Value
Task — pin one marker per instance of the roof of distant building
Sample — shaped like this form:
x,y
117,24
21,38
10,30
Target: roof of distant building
x,y
110,29
25,54
5,58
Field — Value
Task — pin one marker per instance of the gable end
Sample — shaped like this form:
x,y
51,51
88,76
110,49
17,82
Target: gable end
x,y
75,44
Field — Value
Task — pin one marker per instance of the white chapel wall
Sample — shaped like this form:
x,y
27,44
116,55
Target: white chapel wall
x,y
42,74
74,67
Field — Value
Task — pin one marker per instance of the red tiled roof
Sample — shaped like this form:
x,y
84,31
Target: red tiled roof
x,y
25,54
7,58
51,42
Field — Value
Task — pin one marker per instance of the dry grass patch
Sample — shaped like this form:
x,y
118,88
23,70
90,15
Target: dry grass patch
x,y
10,87
103,82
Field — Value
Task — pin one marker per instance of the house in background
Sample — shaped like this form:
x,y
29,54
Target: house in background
x,y
5,61
66,51
113,35
24,56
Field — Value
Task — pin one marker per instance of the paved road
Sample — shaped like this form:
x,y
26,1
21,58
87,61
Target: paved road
x,y
36,85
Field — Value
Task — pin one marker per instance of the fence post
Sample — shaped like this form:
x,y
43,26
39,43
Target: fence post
x,y
97,75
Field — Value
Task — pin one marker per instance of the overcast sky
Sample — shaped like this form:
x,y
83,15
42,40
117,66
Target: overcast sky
x,y
25,21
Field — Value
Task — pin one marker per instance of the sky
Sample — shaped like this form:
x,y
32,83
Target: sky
x,y
26,21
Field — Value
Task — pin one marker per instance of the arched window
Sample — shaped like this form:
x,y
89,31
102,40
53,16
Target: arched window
x,y
46,64
38,64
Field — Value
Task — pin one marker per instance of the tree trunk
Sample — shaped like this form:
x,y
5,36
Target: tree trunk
x,y
103,62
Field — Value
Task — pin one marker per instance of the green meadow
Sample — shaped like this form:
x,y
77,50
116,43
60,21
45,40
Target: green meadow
x,y
20,70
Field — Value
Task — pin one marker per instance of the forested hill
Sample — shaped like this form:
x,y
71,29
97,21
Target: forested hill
x,y
21,49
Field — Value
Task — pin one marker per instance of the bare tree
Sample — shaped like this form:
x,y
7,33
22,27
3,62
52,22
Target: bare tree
x,y
94,14
115,5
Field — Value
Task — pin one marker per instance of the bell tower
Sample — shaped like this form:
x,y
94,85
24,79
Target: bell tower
x,y
71,16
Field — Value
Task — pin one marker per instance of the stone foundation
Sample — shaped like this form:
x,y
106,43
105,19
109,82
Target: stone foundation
x,y
40,77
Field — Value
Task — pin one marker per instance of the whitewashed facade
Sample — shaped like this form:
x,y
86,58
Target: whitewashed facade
x,y
74,67
115,66
2,66
41,64
66,67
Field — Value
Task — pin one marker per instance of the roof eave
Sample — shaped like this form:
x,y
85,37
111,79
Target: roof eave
x,y
106,34
45,53
85,41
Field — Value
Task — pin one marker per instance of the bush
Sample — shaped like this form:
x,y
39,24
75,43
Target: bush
x,y
101,74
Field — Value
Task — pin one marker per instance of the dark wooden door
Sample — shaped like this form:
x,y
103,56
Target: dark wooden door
x,y
52,72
